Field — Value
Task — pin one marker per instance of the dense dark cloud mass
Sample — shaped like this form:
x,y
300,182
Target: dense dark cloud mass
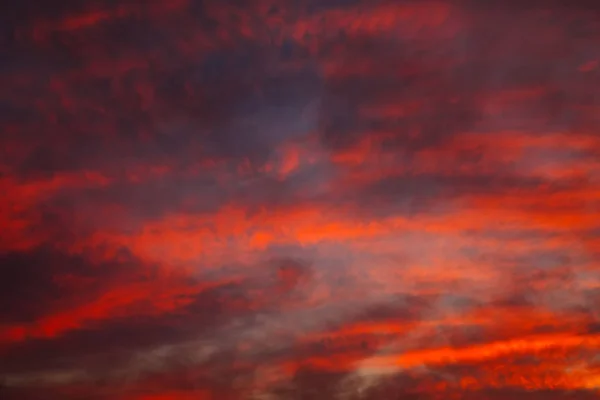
x,y
270,199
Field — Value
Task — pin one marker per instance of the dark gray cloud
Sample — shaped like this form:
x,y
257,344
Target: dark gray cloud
x,y
46,280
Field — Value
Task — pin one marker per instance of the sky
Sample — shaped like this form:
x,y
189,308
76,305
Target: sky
x,y
300,199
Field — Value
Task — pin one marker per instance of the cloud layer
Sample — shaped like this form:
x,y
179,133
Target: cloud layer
x,y
334,199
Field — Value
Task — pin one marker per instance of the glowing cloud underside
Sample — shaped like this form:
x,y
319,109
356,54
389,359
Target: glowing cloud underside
x,y
300,200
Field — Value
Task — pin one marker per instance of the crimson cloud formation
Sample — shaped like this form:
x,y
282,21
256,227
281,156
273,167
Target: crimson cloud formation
x,y
311,199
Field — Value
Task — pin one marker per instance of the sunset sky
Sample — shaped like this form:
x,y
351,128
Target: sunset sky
x,y
299,200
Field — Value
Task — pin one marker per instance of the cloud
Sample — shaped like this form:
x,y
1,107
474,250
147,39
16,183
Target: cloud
x,y
325,199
